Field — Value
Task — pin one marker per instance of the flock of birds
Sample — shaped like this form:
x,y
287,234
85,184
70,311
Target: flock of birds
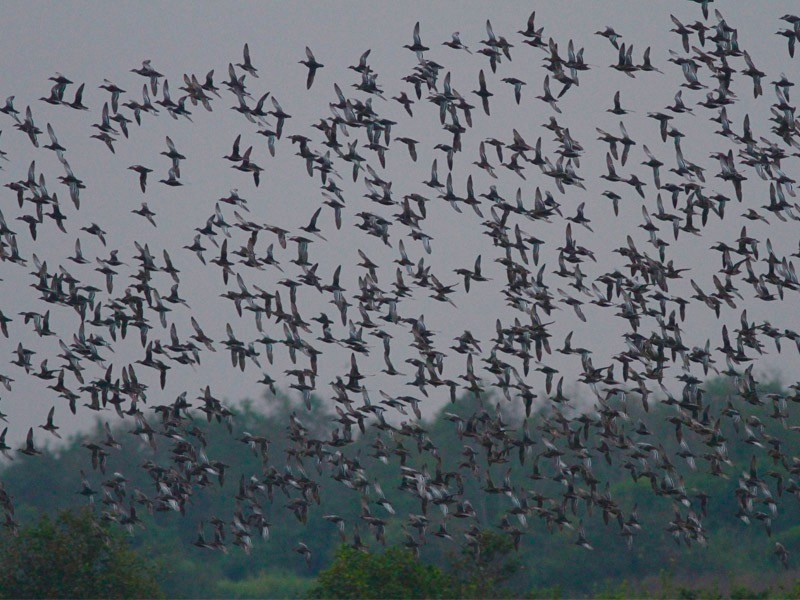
x,y
558,439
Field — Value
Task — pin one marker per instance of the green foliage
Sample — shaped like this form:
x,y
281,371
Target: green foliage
x,y
548,564
668,590
273,584
74,556
553,593
485,570
181,572
395,573
480,571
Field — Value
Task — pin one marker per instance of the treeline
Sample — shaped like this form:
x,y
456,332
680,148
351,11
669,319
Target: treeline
x,y
738,556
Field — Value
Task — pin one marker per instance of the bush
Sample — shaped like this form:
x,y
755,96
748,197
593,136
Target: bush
x,y
396,573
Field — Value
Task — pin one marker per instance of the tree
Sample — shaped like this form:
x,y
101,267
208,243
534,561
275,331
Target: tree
x,y
396,573
485,569
75,556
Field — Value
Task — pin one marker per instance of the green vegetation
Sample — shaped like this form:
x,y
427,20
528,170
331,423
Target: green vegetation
x,y
485,570
395,573
268,584
75,556
738,561
475,572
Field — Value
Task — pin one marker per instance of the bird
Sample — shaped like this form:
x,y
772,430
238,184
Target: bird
x,y
144,211
312,65
303,551
782,554
142,171
115,92
29,449
49,426
417,47
617,108
611,35
483,93
517,83
172,178
247,65
456,44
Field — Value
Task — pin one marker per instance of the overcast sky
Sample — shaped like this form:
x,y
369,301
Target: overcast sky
x,y
88,42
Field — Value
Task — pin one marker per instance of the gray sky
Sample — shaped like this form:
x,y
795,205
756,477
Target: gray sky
x,y
88,42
